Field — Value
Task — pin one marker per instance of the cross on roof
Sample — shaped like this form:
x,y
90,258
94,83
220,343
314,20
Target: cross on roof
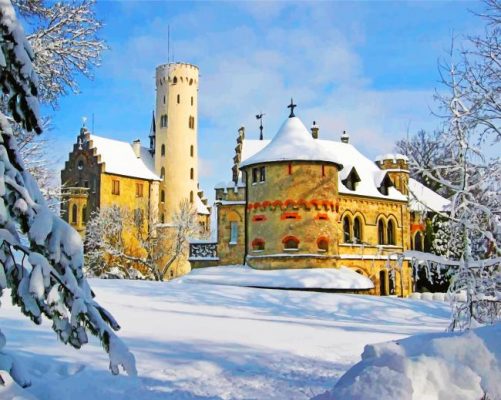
x,y
292,106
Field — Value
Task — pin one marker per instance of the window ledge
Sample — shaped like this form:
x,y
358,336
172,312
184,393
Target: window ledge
x,y
291,249
257,251
232,243
322,251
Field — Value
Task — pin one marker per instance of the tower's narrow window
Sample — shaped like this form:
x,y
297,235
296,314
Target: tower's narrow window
x,y
84,214
254,174
347,229
357,230
290,169
192,150
164,99
233,232
178,99
162,150
391,232
174,81
262,174
192,173
162,196
191,100
380,232
74,214
162,173
191,197
323,170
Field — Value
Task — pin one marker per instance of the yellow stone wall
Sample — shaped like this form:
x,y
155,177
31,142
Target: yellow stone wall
x,y
177,98
300,204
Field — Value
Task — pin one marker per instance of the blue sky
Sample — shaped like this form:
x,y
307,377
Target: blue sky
x,y
366,67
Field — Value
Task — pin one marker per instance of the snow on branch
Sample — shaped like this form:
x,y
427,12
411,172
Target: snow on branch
x,y
41,256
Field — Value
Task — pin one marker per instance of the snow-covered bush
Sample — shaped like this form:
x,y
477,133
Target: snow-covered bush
x,y
41,256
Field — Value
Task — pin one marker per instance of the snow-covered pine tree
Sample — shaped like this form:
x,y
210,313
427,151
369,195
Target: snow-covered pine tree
x,y
41,256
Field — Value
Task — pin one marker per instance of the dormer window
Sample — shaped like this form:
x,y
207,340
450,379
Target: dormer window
x,y
351,180
386,183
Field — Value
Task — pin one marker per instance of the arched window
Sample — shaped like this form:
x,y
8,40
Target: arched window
x,y
162,150
192,173
290,243
258,244
84,214
162,173
174,81
74,214
323,244
357,230
346,229
162,196
380,232
391,232
178,98
191,197
418,242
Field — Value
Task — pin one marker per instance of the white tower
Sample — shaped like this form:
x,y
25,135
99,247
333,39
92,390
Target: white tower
x,y
176,149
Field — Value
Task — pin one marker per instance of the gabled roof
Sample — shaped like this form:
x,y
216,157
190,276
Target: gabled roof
x,y
119,158
293,142
422,198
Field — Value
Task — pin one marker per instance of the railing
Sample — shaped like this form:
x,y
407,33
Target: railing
x,y
203,251
75,191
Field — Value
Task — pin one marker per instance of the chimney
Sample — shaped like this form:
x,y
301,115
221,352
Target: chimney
x,y
345,138
314,130
136,146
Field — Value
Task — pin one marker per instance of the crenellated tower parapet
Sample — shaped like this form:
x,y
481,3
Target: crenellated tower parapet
x,y
397,166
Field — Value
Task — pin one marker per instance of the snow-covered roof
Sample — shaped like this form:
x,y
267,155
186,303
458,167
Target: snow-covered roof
x,y
293,142
201,207
120,159
391,156
345,154
422,198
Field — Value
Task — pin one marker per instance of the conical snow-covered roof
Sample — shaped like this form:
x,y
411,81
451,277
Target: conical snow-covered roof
x,y
293,142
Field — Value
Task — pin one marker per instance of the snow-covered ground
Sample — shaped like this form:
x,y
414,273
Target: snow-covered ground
x,y
199,341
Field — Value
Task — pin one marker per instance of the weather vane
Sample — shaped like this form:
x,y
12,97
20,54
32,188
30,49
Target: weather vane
x,y
260,118
292,106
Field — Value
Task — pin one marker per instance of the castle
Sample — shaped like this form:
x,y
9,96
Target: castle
x,y
151,180
298,201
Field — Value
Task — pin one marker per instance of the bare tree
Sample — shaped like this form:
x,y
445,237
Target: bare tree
x,y
120,239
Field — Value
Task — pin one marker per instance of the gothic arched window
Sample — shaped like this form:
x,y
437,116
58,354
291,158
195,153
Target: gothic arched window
x,y
380,232
357,230
74,214
418,242
346,229
391,232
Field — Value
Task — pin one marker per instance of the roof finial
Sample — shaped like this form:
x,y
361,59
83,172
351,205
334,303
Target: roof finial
x,y
292,106
260,118
84,122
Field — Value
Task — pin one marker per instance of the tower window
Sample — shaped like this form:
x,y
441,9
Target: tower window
x,y
162,150
162,219
191,100
290,243
192,173
164,99
74,214
262,174
192,150
254,175
323,244
174,81
178,99
163,121
84,214
323,170
258,244
191,122
115,187
162,196
139,190
162,173
191,197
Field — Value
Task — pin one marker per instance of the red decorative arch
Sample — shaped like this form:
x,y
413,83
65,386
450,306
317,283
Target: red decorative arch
x,y
258,244
290,238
